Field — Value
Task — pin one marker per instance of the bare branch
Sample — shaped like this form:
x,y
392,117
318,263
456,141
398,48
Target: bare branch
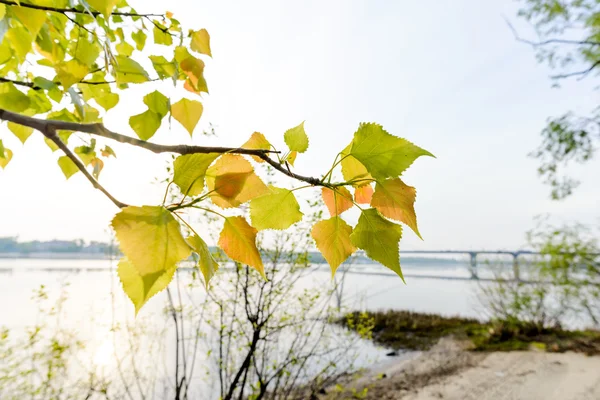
x,y
549,41
73,10
20,83
581,74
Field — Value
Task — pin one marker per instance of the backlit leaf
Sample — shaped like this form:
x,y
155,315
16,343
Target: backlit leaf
x,y
128,70
12,99
140,288
396,200
139,37
70,73
67,166
124,49
108,151
332,237
20,131
363,194
6,156
277,209
352,169
206,262
162,37
97,166
150,237
229,165
32,19
296,138
259,142
163,67
291,158
338,200
20,40
86,52
238,241
157,102
187,113
189,172
194,70
104,6
383,155
201,42
145,124
379,238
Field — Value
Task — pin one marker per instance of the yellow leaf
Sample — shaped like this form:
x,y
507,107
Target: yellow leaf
x,y
238,241
187,113
227,166
352,168
194,70
332,237
337,200
140,288
104,6
32,19
7,156
291,158
201,42
67,166
189,171
206,262
150,237
259,142
363,194
20,40
70,73
128,70
20,131
396,200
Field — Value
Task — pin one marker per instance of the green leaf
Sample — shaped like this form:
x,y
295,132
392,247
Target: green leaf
x,y
140,288
12,99
164,68
150,237
296,138
189,172
396,200
101,94
139,37
67,166
206,262
129,71
86,154
332,237
201,42
104,6
145,124
383,155
108,151
124,49
20,131
187,113
161,37
352,168
238,241
379,238
157,102
86,52
277,209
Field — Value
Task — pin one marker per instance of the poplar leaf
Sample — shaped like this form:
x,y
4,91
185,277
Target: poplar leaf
x,y
257,141
70,73
140,288
277,209
145,124
201,42
189,172
97,166
104,6
332,237
337,200
31,18
233,166
187,113
157,102
296,138
352,169
124,49
5,155
12,99
163,67
291,158
67,166
363,194
20,131
162,37
150,237
383,155
206,262
396,200
379,238
194,70
128,70
139,37
238,241
20,40
86,52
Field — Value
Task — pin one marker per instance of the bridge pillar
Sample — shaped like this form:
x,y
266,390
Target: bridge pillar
x,y
516,271
473,267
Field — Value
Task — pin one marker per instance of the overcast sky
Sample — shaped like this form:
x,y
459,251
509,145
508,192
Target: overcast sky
x,y
447,75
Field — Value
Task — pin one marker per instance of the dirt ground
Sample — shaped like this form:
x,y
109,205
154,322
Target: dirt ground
x,y
448,371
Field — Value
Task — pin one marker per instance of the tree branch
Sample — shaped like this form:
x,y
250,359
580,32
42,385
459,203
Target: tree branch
x,y
46,127
582,74
74,10
549,41
20,83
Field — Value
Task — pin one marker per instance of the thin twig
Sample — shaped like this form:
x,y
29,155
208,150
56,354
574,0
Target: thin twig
x,y
74,10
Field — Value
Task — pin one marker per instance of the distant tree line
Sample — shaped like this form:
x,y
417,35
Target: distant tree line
x,y
12,245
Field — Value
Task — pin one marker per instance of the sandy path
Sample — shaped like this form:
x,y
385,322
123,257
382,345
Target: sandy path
x,y
449,372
